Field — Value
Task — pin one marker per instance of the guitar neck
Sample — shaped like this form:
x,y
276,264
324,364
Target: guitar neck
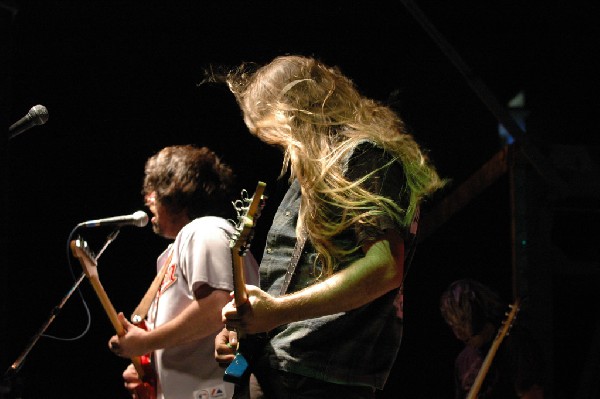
x,y
239,245
487,362
485,367
107,304
240,295
114,319
80,250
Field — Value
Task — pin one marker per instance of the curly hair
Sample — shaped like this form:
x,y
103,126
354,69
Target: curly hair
x,y
317,116
189,178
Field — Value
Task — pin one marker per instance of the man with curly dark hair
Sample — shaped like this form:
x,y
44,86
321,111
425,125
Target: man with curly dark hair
x,y
188,190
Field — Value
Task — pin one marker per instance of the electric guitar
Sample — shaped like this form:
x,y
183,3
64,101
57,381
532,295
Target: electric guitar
x,y
248,209
81,251
487,362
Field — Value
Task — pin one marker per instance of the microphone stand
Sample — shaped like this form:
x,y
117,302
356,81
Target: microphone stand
x,y
16,366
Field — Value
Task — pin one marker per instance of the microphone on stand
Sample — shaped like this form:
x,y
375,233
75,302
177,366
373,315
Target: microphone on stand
x,y
138,219
37,115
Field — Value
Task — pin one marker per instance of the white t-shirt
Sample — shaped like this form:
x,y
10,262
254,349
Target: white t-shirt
x,y
201,255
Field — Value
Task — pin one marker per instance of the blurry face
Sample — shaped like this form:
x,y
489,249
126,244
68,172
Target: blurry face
x,y
163,223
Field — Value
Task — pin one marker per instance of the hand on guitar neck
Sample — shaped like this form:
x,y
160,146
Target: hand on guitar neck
x,y
131,342
140,376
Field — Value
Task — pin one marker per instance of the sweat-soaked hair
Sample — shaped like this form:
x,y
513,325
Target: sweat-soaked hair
x,y
190,178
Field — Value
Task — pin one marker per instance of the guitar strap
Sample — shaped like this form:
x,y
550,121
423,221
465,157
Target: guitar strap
x,y
141,311
300,241
413,232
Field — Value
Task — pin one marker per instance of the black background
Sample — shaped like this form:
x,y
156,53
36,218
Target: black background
x,y
120,81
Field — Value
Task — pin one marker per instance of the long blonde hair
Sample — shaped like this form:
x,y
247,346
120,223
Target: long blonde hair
x,y
317,116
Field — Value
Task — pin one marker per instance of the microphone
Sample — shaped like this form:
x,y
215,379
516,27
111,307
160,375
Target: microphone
x,y
139,219
37,115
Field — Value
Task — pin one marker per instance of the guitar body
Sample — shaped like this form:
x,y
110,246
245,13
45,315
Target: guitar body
x,y
238,371
249,349
147,389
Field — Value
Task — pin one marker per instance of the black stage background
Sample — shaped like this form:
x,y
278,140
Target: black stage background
x,y
120,82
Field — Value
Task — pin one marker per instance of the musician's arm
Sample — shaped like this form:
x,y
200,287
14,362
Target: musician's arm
x,y
368,278
200,319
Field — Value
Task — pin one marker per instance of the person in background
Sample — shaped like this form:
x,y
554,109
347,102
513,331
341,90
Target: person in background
x,y
357,179
188,191
475,314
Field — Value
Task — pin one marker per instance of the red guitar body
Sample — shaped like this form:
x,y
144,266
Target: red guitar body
x,y
147,389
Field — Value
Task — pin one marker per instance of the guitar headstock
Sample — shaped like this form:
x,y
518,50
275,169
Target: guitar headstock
x,y
86,257
248,210
510,318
